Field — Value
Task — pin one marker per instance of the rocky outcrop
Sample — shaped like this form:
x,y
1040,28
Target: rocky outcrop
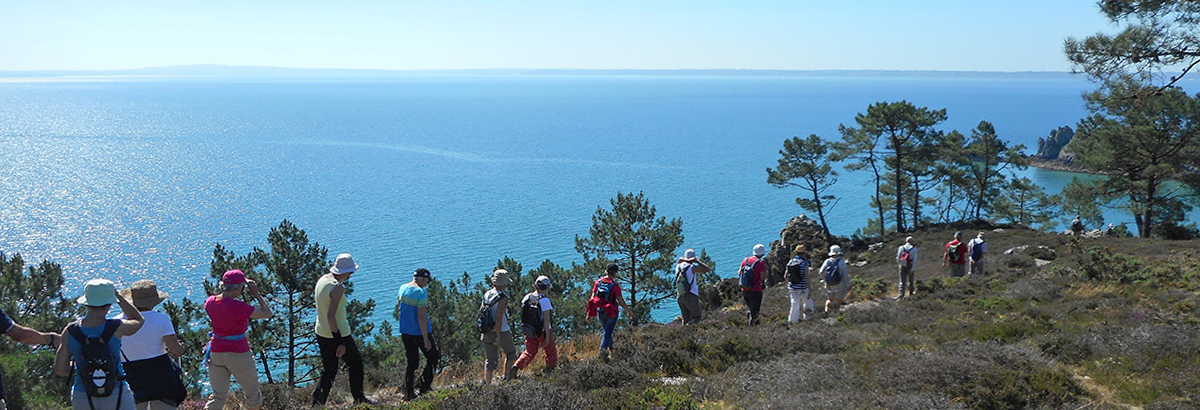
x,y
1053,146
799,230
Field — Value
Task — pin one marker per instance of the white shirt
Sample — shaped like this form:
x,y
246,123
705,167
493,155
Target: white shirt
x,y
912,253
976,242
147,342
689,276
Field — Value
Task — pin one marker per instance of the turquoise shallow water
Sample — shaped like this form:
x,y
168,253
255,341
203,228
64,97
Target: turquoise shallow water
x,y
137,179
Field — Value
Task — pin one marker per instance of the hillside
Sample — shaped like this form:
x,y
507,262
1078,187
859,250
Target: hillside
x,y
1066,323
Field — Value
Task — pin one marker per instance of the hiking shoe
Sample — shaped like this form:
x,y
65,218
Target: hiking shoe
x,y
365,401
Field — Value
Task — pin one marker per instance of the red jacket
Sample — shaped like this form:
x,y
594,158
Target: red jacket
x,y
962,252
610,306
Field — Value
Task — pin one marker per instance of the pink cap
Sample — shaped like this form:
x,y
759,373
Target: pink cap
x,y
234,277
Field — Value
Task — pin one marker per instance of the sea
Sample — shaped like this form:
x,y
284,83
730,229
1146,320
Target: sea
x,y
139,177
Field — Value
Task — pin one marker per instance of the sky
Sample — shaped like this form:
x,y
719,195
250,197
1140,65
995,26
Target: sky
x,y
950,35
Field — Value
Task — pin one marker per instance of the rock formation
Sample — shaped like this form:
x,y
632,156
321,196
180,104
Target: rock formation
x,y
1055,146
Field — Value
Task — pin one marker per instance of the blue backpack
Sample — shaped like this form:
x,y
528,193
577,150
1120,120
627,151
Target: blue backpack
x,y
977,251
746,274
833,275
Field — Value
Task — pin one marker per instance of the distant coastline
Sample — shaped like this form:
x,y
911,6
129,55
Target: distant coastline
x,y
1058,165
211,70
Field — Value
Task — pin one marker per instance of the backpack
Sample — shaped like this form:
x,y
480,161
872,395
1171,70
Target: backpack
x,y
682,285
532,322
746,274
796,270
98,368
977,251
485,320
953,251
905,258
833,275
604,290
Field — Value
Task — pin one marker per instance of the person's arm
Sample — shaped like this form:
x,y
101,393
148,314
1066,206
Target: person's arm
x,y
29,336
547,329
133,318
699,267
500,306
62,358
423,321
173,346
945,256
263,310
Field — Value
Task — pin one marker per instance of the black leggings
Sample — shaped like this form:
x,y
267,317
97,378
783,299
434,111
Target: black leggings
x,y
329,368
413,346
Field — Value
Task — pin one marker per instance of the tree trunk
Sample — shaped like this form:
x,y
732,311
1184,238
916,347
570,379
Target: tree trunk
x,y
291,329
899,189
878,202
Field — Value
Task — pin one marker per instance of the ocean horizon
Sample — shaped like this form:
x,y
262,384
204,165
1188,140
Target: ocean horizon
x,y
140,178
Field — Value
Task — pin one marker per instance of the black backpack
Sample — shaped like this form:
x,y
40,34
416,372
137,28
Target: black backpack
x,y
833,275
796,270
98,369
532,322
746,274
485,321
604,290
953,252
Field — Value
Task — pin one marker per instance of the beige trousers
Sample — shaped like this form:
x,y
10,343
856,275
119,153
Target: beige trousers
x,y
240,366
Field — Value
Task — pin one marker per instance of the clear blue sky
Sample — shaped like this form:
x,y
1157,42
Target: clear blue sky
x,y
975,35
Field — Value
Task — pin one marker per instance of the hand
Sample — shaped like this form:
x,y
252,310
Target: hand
x,y
341,350
428,345
253,286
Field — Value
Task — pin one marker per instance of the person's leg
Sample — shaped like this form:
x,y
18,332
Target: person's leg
x,y
531,349
218,380
2,405
241,365
510,349
693,304
900,283
329,368
551,349
155,405
354,364
412,352
491,355
754,299
432,356
610,324
794,313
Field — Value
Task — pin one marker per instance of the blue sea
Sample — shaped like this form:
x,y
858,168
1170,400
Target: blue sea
x,y
139,178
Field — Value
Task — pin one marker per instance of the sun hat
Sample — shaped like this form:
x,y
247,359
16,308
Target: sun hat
x,y
800,249
500,278
98,292
542,282
144,294
760,250
690,253
422,273
233,277
835,250
612,268
343,264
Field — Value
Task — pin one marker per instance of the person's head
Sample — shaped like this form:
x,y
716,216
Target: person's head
x,y
909,240
958,235
542,284
422,277
232,283
689,254
500,279
980,236
98,295
343,267
144,295
760,250
612,269
835,251
800,250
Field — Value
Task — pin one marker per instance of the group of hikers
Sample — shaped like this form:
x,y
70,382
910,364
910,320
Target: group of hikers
x,y
125,363
962,258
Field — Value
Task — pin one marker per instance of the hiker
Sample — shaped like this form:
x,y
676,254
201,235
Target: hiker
x,y
956,255
606,297
499,334
1077,225
977,248
836,279
906,258
750,277
1110,230
688,286
416,332
796,276
152,376
536,324
228,351
104,387
22,334
333,331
